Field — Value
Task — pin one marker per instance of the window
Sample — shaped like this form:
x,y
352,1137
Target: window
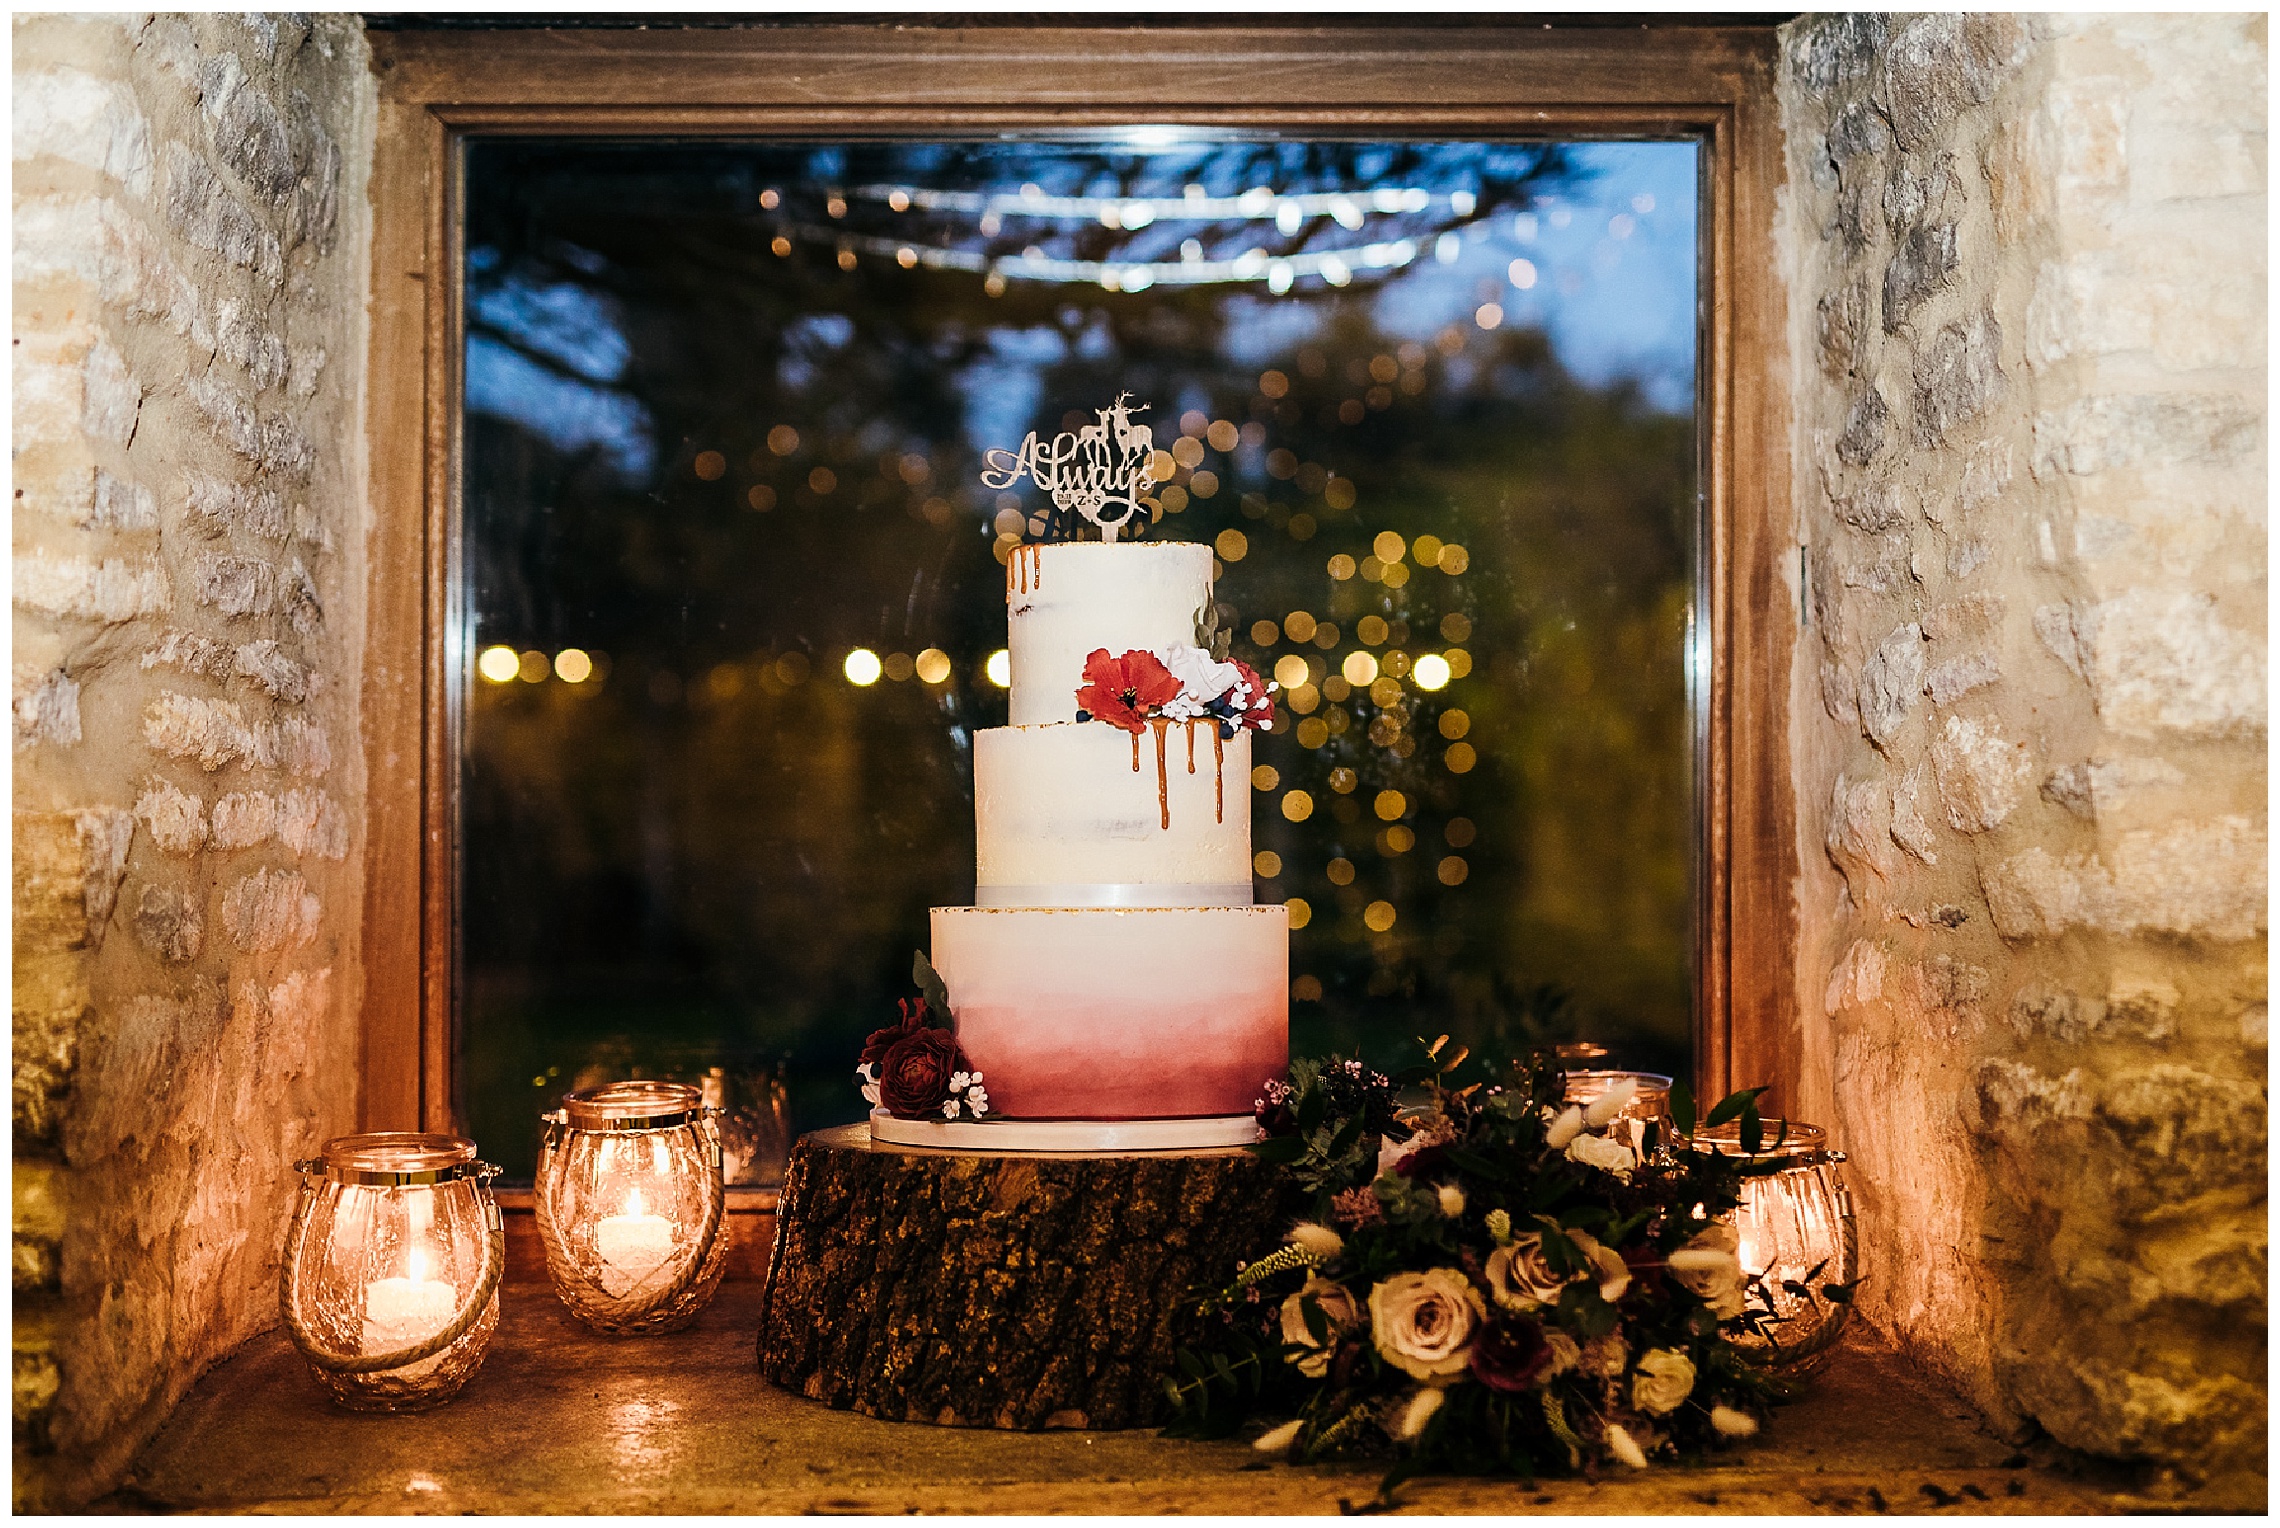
x,y
669,424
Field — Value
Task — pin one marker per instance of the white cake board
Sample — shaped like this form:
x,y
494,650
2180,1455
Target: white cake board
x,y
1076,1135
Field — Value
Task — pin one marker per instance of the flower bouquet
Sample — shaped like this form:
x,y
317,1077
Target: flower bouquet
x,y
913,1068
1494,1281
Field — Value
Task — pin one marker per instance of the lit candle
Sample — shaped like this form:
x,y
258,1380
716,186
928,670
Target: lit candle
x,y
632,1246
399,1313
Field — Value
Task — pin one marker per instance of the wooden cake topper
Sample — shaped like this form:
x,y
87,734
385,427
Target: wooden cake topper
x,y
1101,472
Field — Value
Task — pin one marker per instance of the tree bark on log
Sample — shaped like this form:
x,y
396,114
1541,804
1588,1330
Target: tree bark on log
x,y
1003,1291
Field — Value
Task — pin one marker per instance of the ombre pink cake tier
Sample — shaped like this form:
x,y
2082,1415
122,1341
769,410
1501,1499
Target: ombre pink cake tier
x,y
1119,1013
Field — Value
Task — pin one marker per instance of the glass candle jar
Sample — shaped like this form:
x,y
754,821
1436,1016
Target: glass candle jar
x,y
1651,1101
629,1197
390,1286
1797,1237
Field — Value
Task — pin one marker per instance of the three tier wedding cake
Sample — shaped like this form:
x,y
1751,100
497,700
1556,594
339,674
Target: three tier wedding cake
x,y
1114,986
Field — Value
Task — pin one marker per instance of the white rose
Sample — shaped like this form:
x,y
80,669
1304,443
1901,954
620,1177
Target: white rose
x,y
1602,1153
1711,1266
1610,1103
1452,1200
1338,1308
1565,1128
1663,1381
1423,1323
1521,1278
1732,1423
1318,1239
1620,1444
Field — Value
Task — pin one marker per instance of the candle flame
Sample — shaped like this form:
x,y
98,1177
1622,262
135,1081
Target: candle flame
x,y
633,1202
417,1261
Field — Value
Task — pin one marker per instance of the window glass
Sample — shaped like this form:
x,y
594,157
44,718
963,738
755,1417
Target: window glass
x,y
734,586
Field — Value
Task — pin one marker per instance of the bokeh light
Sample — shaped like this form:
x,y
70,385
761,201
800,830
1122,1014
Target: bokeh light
x,y
498,664
1430,672
933,665
862,667
1000,669
572,665
532,667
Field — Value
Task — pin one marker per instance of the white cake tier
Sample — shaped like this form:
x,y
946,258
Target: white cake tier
x,y
1119,1013
1082,814
1066,599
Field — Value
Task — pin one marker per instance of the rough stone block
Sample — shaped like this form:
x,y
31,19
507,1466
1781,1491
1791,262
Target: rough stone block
x,y
1911,830
215,732
38,1224
2160,661
2098,788
169,923
1890,683
1863,435
2195,878
2108,431
1877,509
271,910
74,116
1951,680
2087,130
46,707
111,590
1840,326
1920,266
101,243
1859,834
50,882
1982,775
204,211
1833,50
248,129
1857,979
1957,376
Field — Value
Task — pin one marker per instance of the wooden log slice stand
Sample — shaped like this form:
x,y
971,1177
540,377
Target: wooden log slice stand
x,y
1005,1290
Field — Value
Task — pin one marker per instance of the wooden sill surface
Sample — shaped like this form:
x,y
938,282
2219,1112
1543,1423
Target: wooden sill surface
x,y
561,1420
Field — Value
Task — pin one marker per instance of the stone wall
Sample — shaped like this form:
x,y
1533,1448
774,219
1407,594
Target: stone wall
x,y
2028,350
190,280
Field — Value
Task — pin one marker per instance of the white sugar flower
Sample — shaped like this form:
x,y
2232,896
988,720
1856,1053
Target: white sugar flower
x,y
960,1081
871,1094
949,1108
977,1102
1201,680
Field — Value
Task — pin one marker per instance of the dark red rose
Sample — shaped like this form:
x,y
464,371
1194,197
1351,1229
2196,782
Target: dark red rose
x,y
914,1074
1258,706
880,1041
1511,1355
1125,692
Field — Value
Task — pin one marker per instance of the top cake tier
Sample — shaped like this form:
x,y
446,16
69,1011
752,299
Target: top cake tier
x,y
1064,600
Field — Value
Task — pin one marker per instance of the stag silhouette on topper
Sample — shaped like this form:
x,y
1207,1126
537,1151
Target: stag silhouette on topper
x,y
1101,472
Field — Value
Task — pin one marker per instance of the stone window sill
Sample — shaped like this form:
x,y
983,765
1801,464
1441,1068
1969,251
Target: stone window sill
x,y
560,1420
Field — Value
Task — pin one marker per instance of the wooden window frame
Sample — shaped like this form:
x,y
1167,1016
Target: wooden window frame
x,y
438,89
